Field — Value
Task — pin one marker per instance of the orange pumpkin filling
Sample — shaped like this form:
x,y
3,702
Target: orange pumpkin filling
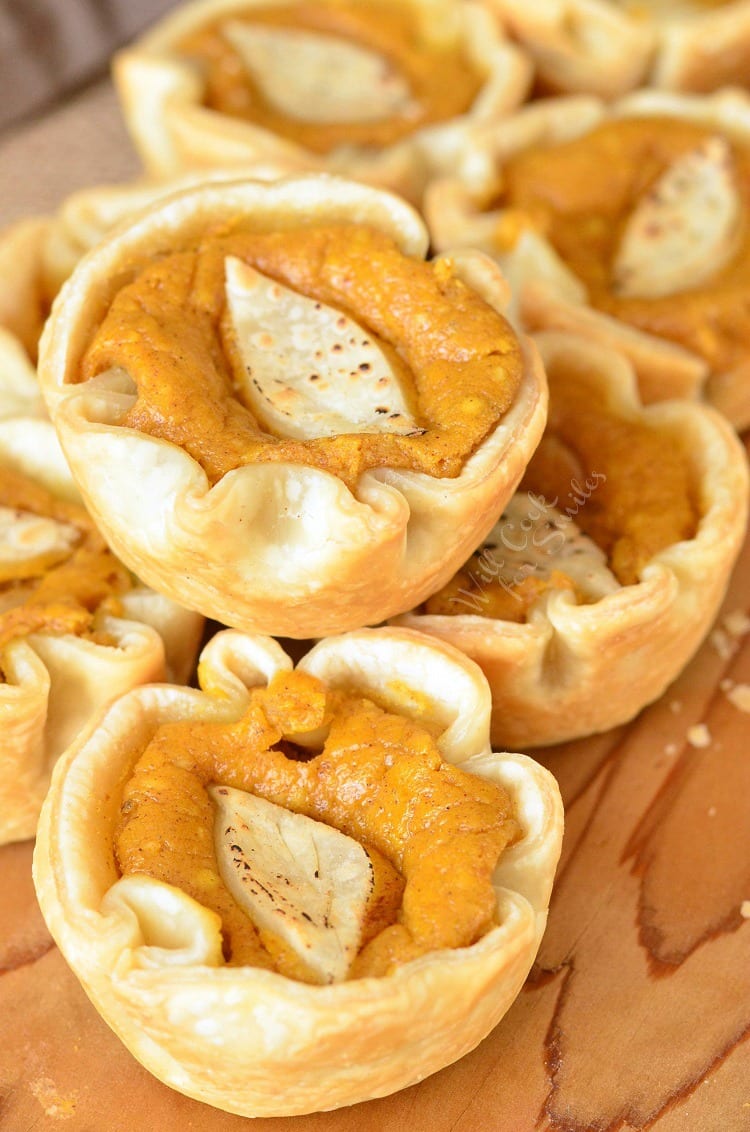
x,y
66,588
627,485
170,330
580,193
441,81
434,832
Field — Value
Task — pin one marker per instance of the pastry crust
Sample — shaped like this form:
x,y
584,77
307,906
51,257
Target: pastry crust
x,y
53,684
548,294
602,47
702,50
573,669
23,296
249,1040
221,549
38,254
161,94
581,46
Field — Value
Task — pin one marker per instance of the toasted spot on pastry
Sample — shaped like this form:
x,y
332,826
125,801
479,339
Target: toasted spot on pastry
x,y
311,370
293,68
684,229
295,877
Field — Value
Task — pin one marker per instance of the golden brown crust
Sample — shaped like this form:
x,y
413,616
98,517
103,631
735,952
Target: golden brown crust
x,y
249,1040
220,548
573,669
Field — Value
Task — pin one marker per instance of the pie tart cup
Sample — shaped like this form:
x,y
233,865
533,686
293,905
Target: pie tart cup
x,y
343,558
594,47
574,669
547,294
248,1040
55,683
162,92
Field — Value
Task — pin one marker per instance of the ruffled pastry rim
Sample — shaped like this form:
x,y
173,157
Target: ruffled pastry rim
x,y
55,684
573,670
160,96
22,291
547,295
253,1042
589,46
689,50
581,46
389,530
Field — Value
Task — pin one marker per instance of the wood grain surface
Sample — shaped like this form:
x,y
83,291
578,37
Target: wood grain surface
x,y
637,1014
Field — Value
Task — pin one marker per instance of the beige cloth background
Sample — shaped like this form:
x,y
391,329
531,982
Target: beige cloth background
x,y
48,47
79,144
66,141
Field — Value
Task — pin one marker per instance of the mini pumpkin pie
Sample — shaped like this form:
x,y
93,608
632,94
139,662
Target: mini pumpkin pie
x,y
628,224
38,254
306,427
608,47
356,886
76,630
380,90
608,566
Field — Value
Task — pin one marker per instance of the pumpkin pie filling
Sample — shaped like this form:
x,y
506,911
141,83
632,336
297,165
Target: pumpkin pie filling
x,y
602,495
416,78
57,575
453,360
432,832
584,194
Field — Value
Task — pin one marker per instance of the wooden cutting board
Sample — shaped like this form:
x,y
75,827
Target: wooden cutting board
x,y
637,1015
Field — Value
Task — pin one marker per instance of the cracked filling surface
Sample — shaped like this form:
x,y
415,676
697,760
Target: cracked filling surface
x,y
57,575
456,360
580,194
439,81
433,832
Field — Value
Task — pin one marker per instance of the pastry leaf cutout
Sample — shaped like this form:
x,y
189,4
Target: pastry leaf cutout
x,y
295,877
684,229
319,78
310,371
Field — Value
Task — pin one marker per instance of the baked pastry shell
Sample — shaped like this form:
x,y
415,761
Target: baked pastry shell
x,y
571,670
55,684
581,46
38,254
221,549
161,96
248,1040
593,47
547,295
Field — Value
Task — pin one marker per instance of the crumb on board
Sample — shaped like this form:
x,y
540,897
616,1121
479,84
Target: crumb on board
x,y
724,643
53,1103
671,749
745,909
739,696
675,706
736,623
699,735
